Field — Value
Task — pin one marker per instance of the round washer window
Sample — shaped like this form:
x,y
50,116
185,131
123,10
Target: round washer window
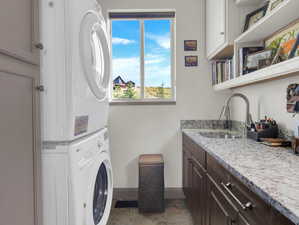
x,y
100,194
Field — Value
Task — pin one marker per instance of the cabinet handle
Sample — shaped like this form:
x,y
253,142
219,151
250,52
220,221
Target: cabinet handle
x,y
245,207
39,46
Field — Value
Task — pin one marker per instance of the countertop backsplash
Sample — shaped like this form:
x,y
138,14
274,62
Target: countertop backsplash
x,y
236,125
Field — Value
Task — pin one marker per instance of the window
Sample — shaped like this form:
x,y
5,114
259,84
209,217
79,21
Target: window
x,y
143,56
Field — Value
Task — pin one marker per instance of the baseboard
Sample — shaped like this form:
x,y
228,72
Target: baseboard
x,y
132,193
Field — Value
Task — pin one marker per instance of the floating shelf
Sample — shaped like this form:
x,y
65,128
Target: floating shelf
x,y
280,17
283,69
247,2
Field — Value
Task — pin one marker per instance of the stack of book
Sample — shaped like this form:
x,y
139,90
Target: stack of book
x,y
222,70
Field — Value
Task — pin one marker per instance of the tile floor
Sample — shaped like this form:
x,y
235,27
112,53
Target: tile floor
x,y
176,213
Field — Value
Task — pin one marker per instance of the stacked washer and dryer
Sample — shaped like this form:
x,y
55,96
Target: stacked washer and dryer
x,y
76,168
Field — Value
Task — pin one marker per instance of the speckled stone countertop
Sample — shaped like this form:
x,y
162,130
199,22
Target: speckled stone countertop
x,y
272,173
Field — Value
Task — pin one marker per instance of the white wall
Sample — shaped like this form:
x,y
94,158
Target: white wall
x,y
136,130
267,98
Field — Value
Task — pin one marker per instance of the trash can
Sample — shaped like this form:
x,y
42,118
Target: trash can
x,y
151,184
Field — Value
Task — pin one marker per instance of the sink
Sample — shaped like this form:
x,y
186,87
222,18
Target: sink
x,y
223,134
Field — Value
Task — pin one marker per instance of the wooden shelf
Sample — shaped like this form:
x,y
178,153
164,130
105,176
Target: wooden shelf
x,y
283,69
280,17
248,2
224,52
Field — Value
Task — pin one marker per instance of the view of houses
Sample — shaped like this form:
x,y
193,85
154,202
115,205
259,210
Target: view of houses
x,y
128,89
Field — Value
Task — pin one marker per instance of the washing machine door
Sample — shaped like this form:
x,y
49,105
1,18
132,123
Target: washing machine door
x,y
100,192
95,53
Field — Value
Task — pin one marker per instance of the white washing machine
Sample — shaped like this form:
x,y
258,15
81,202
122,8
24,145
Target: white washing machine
x,y
75,68
78,182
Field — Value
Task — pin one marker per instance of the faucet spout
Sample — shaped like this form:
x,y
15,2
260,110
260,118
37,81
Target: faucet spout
x,y
226,110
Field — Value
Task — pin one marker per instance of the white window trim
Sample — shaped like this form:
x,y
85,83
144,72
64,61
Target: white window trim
x,y
142,100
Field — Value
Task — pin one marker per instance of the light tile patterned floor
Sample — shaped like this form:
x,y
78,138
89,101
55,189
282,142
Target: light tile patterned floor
x,y
176,213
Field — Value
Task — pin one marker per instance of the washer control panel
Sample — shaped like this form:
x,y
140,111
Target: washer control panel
x,y
83,153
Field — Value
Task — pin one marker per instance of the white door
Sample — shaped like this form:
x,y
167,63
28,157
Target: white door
x,y
95,53
215,24
19,114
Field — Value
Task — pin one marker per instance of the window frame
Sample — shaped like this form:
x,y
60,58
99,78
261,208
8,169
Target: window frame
x,y
142,100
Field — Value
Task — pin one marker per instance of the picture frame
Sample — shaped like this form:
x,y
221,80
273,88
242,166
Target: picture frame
x,y
191,61
273,4
253,61
190,45
282,43
294,52
263,63
293,98
255,16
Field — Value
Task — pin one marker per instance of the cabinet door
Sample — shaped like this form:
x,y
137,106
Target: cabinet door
x,y
219,210
185,172
199,195
242,220
215,24
20,199
189,197
278,219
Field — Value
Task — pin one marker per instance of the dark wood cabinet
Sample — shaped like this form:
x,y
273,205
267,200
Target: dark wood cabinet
x,y
215,197
220,210
198,194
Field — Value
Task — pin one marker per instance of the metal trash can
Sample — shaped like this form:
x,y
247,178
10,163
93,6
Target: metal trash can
x,y
151,184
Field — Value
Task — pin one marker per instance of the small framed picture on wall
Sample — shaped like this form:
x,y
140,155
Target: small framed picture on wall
x,y
190,45
191,61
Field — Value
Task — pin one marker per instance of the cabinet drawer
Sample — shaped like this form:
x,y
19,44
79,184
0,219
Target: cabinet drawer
x,y
220,209
216,171
278,219
197,152
251,206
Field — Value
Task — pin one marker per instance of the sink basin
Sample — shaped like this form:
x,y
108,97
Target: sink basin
x,y
223,134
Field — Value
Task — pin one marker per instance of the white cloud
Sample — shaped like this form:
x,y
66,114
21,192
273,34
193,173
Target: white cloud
x,y
162,40
122,41
153,59
127,68
156,72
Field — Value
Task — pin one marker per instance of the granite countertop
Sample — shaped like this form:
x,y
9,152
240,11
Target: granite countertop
x,y
272,173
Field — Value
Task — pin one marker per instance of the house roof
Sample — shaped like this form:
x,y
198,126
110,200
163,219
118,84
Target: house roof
x,y
130,82
118,80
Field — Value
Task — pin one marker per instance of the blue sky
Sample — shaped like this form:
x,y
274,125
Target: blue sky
x,y
126,51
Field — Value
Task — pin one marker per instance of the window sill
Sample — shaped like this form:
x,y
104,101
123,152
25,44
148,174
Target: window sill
x,y
142,102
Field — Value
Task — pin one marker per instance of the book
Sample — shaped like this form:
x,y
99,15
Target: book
x,y
222,70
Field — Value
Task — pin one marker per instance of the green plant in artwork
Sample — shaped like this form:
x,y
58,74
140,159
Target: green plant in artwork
x,y
275,45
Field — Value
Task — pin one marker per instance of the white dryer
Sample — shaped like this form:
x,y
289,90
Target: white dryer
x,y
77,181
75,68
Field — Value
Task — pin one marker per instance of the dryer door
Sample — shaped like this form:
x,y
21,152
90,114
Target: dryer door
x,y
95,53
100,194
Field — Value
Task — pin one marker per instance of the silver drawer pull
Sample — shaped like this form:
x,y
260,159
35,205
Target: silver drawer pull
x,y
247,206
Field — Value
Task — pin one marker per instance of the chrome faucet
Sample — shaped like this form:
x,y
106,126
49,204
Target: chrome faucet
x,y
226,111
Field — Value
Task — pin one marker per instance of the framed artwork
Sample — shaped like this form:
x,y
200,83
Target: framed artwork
x,y
284,43
293,98
191,61
255,16
190,45
257,60
273,4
